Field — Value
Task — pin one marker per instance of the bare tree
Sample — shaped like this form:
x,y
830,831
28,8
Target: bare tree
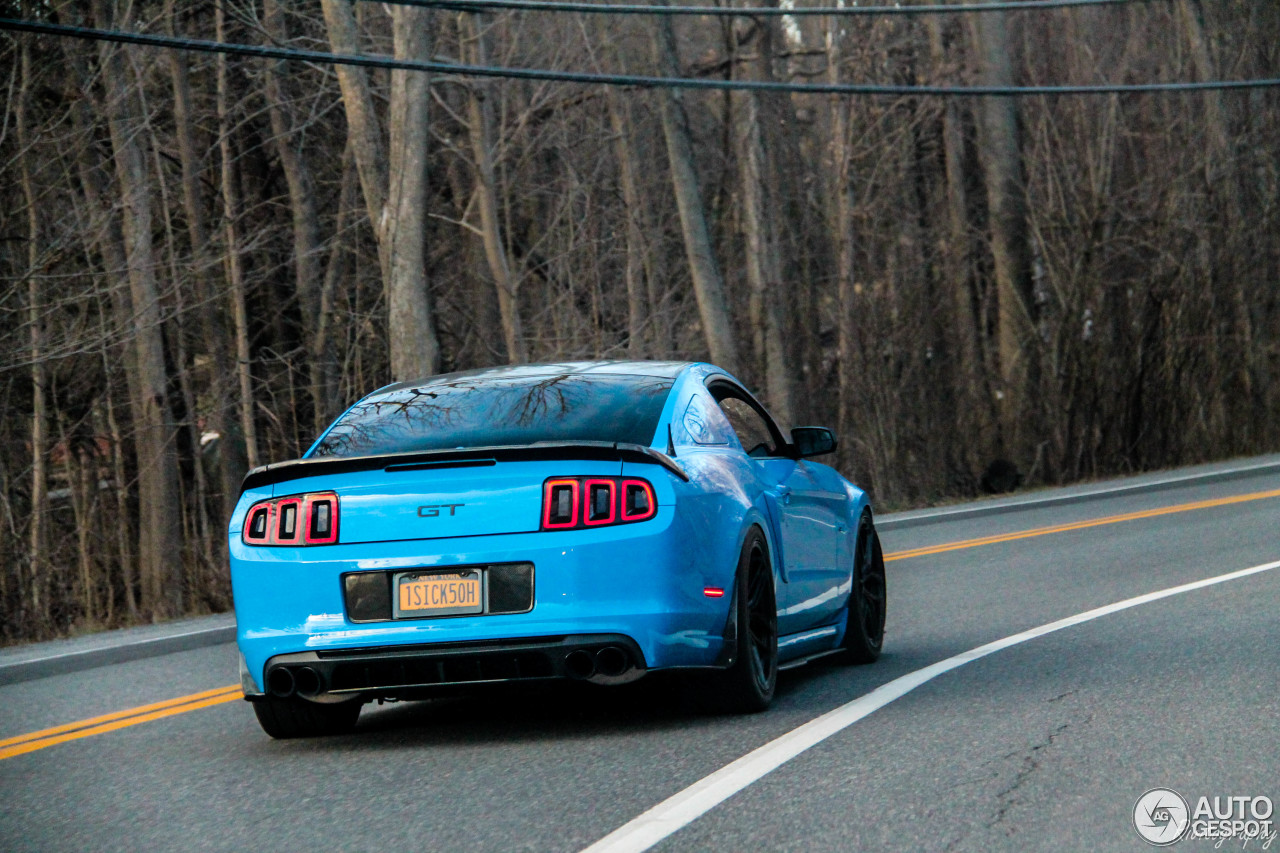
x,y
156,434
232,460
472,37
708,285
1001,154
394,180
38,560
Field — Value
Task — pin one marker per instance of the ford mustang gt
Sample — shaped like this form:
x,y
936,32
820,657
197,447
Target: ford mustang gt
x,y
593,521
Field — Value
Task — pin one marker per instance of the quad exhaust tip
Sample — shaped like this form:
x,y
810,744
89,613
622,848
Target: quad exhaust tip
x,y
612,661
280,682
307,681
580,663
284,681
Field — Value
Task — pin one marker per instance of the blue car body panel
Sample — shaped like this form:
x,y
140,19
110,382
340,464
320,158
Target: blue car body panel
x,y
643,580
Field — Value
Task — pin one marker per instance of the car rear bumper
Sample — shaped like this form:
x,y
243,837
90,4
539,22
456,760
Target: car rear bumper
x,y
406,671
640,586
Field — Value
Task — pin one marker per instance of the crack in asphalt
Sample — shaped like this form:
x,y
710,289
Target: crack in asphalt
x,y
1030,764
1031,761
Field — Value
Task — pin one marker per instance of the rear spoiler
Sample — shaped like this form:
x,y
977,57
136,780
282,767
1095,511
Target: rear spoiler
x,y
296,469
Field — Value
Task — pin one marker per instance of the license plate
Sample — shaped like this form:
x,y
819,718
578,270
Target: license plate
x,y
439,594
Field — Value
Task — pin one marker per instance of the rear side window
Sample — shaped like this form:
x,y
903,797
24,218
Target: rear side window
x,y
501,412
704,423
750,427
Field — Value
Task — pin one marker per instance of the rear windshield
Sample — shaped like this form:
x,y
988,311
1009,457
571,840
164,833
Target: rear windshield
x,y
497,412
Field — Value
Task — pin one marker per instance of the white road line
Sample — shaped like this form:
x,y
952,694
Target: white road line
x,y
687,806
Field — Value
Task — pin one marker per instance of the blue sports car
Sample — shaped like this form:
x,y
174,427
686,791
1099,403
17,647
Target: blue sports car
x,y
593,521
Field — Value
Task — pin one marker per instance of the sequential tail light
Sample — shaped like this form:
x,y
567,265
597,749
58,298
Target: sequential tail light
x,y
560,504
257,524
570,503
321,519
310,519
601,502
288,530
638,501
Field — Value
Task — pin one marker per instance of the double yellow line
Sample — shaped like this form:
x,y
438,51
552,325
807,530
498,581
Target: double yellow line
x,y
1077,525
120,719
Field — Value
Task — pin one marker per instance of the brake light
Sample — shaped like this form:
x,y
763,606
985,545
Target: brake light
x,y
310,519
638,502
287,532
560,504
322,519
576,502
601,505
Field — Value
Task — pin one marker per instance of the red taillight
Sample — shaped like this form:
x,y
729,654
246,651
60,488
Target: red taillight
x,y
288,523
257,524
638,501
310,519
560,504
321,519
575,502
601,505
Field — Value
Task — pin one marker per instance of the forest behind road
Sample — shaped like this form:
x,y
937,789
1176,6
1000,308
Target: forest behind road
x,y
205,257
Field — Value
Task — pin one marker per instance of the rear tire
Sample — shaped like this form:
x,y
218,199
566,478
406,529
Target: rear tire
x,y
864,623
294,717
747,687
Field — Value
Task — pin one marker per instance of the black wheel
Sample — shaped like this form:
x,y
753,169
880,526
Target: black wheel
x,y
747,686
864,628
294,717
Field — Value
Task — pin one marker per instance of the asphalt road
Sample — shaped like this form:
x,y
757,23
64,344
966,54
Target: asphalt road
x,y
1042,746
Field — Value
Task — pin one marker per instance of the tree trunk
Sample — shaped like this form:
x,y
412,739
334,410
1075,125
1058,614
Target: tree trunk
x,y
845,239
955,240
640,307
234,264
102,229
232,462
763,143
1222,179
158,493
471,35
708,285
414,348
764,275
334,271
394,180
363,126
307,246
1017,334
634,272
1215,125
39,541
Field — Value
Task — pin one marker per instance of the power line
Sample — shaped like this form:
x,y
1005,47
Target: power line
x,y
743,11
635,80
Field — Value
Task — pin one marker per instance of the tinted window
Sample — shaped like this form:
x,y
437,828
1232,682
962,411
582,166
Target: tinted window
x,y
749,426
705,424
495,412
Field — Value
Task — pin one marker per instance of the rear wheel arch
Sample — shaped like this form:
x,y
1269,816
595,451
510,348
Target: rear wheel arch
x,y
748,684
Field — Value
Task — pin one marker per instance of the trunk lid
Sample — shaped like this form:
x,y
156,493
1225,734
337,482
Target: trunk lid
x,y
475,499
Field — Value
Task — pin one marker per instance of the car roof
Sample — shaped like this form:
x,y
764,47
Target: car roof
x,y
662,369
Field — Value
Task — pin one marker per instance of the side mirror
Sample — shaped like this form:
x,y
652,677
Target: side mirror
x,y
812,441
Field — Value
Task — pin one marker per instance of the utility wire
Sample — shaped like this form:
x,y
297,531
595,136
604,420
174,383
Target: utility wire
x,y
453,69
743,11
